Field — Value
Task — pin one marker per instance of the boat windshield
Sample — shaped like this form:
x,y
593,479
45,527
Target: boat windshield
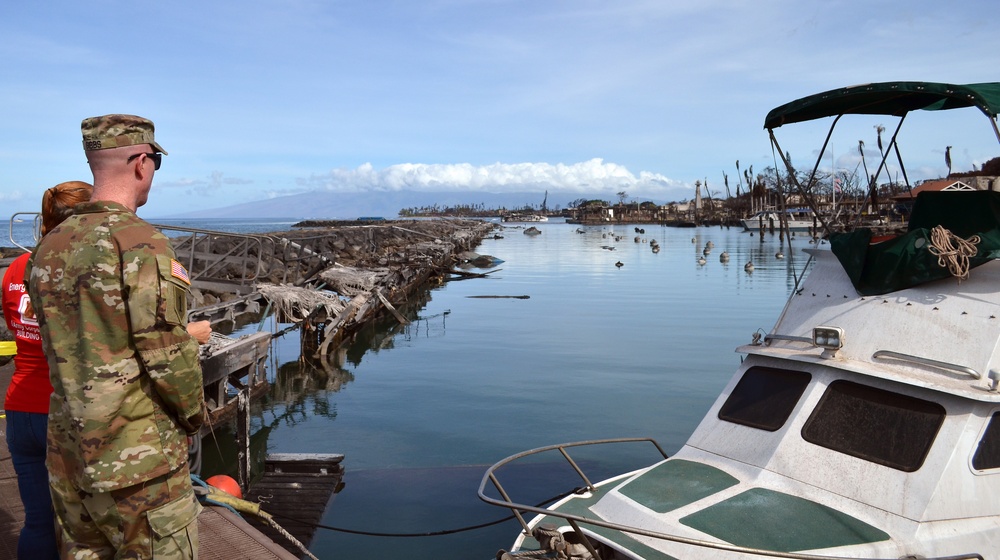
x,y
764,397
873,424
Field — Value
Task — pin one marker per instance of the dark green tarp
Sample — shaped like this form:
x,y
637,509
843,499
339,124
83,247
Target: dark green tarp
x,y
887,98
906,261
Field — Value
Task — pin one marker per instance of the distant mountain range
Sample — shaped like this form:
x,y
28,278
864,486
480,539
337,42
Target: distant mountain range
x,y
333,205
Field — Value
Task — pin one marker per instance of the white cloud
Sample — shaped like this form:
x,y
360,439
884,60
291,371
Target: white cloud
x,y
11,196
593,176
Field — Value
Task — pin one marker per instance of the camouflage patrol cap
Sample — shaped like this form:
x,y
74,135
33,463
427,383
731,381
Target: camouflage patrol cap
x,y
116,131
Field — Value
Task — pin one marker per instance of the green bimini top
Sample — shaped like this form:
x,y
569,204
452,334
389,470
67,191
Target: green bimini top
x,y
887,98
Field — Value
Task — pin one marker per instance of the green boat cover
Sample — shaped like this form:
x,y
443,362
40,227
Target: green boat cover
x,y
770,520
887,98
906,261
677,483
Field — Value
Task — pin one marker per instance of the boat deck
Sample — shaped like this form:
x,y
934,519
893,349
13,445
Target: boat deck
x,y
223,535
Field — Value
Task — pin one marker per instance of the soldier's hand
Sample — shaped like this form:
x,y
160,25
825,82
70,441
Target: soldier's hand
x,y
200,330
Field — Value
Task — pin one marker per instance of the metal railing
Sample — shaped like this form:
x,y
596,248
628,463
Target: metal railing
x,y
926,362
517,508
302,257
237,261
36,218
575,521
237,265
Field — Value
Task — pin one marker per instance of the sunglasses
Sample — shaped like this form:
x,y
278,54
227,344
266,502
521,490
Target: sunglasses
x,y
156,157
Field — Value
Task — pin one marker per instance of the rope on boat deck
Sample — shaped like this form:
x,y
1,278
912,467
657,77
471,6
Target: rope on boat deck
x,y
550,540
952,251
504,555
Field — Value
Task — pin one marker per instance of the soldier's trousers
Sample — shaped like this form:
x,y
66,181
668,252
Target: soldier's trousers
x,y
156,519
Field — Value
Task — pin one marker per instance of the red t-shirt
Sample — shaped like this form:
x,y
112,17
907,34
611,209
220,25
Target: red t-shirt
x,y
30,387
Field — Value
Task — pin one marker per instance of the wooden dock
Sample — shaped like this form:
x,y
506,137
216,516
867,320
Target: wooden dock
x,y
11,509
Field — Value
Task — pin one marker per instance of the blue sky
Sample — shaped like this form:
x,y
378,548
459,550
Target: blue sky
x,y
259,99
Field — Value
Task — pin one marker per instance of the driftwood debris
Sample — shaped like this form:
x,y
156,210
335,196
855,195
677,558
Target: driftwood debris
x,y
345,255
293,304
388,305
331,278
387,264
465,275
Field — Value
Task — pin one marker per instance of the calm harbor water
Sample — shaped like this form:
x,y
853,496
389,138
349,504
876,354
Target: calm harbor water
x,y
595,351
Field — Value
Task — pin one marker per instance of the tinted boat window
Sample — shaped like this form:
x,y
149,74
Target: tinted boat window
x,y
988,454
875,425
764,397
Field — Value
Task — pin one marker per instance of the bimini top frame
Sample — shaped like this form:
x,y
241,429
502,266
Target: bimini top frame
x,y
885,98
888,98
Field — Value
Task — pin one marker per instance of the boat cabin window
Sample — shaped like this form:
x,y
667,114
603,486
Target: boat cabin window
x,y
764,397
875,425
988,453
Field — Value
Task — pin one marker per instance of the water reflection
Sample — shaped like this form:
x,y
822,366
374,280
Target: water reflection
x,y
388,333
299,387
289,403
220,450
295,380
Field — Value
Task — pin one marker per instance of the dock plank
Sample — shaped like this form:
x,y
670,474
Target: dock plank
x,y
223,534
11,510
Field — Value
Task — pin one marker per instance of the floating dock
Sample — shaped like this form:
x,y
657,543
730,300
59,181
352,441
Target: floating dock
x,y
296,489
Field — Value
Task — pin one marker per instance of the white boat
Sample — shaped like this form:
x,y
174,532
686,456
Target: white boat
x,y
799,220
517,217
865,424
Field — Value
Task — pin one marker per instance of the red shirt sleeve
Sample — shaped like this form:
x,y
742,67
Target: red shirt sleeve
x,y
29,388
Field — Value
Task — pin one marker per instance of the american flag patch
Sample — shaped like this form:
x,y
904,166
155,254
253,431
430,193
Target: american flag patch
x,y
177,270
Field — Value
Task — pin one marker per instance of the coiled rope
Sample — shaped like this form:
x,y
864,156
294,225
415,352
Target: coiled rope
x,y
504,555
538,533
952,251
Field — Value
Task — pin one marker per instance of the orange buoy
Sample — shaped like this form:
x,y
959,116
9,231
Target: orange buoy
x,y
226,484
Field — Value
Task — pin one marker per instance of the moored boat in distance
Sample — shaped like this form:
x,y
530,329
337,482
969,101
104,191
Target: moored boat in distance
x,y
798,219
864,424
518,217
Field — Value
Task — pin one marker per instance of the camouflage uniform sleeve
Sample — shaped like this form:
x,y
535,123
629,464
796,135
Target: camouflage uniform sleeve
x,y
157,308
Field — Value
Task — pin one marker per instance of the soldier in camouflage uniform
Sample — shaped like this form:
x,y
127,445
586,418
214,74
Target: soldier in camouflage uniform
x,y
111,304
